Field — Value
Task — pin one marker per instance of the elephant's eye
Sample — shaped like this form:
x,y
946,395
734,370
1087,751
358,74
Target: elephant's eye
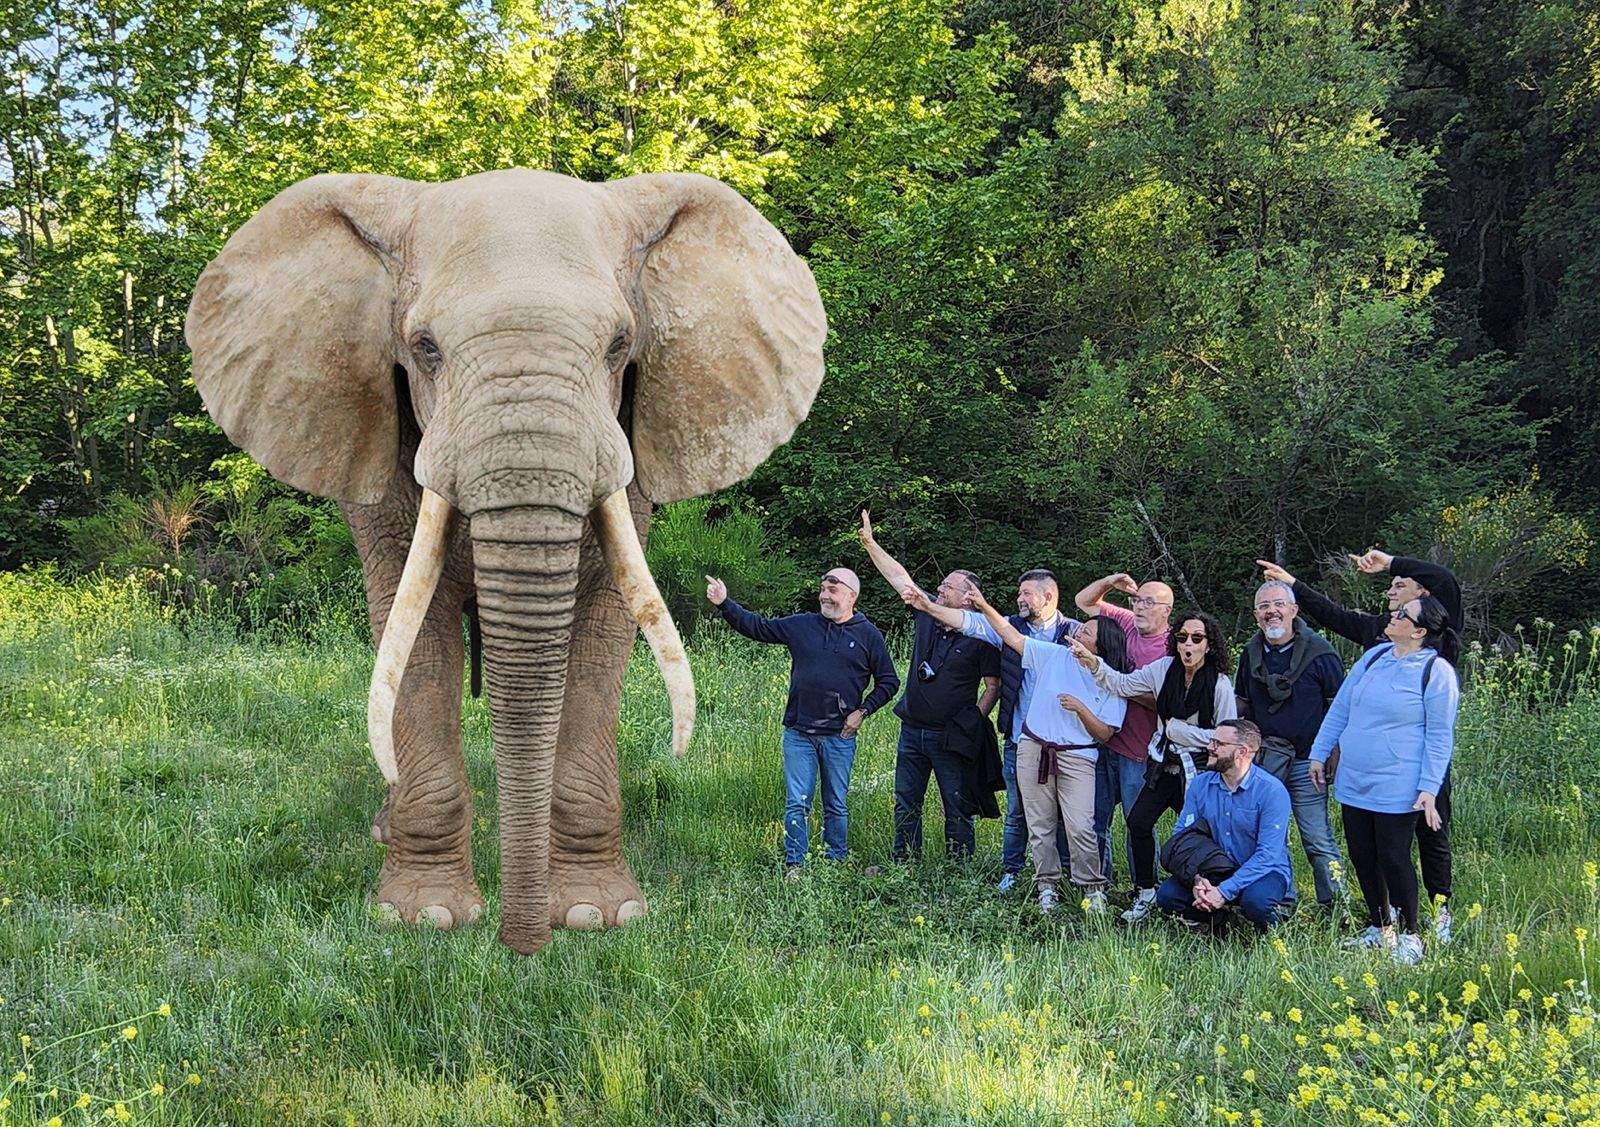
x,y
617,353
427,350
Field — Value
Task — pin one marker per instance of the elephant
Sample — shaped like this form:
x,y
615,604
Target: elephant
x,y
497,378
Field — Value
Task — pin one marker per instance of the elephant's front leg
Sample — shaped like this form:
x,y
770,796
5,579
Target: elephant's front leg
x,y
591,885
426,819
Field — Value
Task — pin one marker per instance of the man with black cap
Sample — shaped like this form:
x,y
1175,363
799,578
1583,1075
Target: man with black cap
x,y
833,652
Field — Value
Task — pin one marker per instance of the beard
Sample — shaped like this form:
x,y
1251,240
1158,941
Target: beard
x,y
1276,631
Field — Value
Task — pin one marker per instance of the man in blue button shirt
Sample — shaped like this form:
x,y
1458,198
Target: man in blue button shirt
x,y
1248,812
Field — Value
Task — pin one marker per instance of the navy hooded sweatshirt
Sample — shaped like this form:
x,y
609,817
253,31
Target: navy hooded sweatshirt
x,y
830,665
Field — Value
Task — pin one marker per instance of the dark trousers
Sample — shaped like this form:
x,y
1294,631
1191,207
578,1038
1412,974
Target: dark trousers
x,y
1380,852
1263,902
921,754
1163,791
1433,846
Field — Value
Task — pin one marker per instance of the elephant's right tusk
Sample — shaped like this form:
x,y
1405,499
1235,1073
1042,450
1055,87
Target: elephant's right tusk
x,y
620,540
424,563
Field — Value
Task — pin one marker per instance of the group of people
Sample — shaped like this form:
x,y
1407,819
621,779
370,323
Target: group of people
x,y
1139,707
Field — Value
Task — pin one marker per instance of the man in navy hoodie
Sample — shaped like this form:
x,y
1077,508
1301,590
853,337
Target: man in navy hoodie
x,y
833,654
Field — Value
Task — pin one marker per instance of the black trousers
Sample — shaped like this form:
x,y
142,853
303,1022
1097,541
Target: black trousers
x,y
1163,791
1433,846
1380,853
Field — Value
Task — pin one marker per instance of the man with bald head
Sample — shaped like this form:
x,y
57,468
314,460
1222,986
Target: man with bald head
x,y
1120,775
833,653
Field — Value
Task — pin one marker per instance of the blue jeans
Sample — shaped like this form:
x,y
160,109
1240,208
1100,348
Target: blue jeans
x,y
1263,903
804,758
1316,832
921,753
1014,834
1116,780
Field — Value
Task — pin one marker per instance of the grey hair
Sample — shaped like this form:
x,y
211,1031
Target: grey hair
x,y
1288,591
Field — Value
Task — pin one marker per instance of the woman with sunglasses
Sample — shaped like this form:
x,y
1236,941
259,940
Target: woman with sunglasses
x,y
1394,721
1193,695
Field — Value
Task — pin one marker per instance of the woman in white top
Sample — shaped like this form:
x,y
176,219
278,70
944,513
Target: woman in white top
x,y
1193,694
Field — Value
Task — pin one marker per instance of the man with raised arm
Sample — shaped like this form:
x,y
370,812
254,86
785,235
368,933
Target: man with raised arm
x,y
833,653
946,669
1410,578
1120,775
1068,716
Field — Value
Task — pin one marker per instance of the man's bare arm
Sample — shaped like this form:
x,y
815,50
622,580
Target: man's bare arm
x,y
888,567
1094,594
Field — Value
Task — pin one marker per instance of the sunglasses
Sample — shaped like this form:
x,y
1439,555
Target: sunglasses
x,y
1189,637
1404,616
834,581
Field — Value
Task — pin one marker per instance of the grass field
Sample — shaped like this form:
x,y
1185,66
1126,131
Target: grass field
x,y
184,864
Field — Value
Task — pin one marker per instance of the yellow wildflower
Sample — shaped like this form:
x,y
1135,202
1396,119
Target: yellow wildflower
x,y
130,1032
1469,992
1295,1015
165,1010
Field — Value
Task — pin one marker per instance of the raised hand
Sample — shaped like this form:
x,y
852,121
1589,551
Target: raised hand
x,y
1372,561
1086,659
915,598
865,532
716,590
1124,582
974,596
1272,571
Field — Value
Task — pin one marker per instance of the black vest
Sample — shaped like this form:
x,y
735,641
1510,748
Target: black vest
x,y
1011,670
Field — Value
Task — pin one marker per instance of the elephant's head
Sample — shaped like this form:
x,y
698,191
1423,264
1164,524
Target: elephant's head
x,y
559,340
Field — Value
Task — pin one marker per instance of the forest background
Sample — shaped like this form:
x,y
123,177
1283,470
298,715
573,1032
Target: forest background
x,y
1113,284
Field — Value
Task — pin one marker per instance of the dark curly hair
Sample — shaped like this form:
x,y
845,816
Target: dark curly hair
x,y
1174,701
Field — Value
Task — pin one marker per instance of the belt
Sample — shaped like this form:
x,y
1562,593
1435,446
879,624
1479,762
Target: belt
x,y
1047,753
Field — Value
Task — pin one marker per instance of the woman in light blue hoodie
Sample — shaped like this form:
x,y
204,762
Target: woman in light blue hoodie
x,y
1394,721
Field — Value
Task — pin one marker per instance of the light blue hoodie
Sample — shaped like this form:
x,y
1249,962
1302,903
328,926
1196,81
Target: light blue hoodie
x,y
1394,739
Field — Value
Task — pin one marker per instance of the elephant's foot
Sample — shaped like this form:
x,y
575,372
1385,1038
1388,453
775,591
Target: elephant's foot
x,y
587,896
430,896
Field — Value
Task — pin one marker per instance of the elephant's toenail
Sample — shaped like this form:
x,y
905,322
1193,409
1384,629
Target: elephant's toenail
x,y
436,915
630,910
386,912
585,917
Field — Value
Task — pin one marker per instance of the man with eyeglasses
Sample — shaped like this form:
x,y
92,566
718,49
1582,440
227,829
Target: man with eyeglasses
x,y
1288,676
1246,811
1121,774
946,668
1410,578
833,653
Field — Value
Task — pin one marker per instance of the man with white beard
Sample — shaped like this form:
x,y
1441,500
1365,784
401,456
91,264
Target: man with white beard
x,y
1288,676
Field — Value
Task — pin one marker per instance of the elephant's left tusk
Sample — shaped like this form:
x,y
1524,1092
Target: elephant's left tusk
x,y
620,540
424,563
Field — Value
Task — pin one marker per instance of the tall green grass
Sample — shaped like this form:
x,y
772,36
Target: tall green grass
x,y
183,822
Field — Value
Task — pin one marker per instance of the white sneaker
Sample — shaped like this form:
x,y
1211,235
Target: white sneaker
x,y
1048,899
1144,904
1371,938
1441,924
1007,883
1407,950
1094,904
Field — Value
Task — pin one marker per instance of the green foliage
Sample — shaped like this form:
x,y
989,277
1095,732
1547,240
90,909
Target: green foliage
x,y
1147,285
690,540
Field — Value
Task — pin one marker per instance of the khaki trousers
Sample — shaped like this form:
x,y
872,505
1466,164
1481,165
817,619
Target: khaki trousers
x,y
1071,791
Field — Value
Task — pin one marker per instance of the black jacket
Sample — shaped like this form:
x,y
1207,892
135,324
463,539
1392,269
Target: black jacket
x,y
971,737
1366,630
1193,852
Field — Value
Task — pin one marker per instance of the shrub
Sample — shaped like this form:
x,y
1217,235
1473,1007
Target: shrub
x,y
692,539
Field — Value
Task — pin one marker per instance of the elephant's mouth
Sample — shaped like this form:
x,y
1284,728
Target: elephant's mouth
x,y
613,521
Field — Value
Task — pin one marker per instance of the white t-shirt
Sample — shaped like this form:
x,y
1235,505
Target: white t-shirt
x,y
1058,672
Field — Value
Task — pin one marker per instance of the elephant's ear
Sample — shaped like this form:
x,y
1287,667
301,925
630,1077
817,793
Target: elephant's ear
x,y
731,335
290,327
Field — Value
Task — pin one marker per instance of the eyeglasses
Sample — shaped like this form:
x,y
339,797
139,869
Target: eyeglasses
x,y
1147,601
1275,604
1189,637
1218,745
1404,616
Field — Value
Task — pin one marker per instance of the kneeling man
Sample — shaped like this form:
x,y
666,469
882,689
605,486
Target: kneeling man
x,y
1247,813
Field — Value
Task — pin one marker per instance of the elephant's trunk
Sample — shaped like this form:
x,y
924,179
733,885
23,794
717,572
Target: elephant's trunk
x,y
620,541
526,567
